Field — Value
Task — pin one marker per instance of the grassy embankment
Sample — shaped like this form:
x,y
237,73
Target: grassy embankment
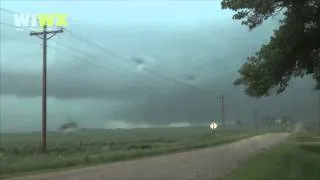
x,y
296,159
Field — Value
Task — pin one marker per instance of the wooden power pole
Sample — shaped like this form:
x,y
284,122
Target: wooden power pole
x,y
255,121
222,112
43,35
319,114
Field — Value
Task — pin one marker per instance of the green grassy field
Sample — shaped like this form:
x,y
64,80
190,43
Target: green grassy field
x,y
21,153
292,160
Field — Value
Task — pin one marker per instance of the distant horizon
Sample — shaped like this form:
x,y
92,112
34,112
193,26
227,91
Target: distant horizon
x,y
117,67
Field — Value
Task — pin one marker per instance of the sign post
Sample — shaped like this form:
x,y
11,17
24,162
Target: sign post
x,y
213,126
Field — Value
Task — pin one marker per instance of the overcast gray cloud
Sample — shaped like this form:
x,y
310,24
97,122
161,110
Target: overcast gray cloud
x,y
177,58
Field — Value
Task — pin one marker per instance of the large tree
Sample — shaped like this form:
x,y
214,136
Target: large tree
x,y
293,50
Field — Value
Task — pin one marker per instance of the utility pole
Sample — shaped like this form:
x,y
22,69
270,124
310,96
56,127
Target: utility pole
x,y
43,35
255,114
319,114
222,112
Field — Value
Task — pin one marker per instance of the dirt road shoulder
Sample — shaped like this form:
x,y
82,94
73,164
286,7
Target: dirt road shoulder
x,y
200,164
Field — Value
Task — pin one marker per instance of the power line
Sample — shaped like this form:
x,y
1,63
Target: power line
x,y
126,60
93,62
88,59
85,60
148,70
119,56
91,59
56,49
10,37
8,11
94,58
17,27
89,56
95,44
78,58
69,53
6,36
104,49
83,53
7,24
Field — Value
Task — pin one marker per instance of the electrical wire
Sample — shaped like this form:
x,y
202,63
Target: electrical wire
x,y
126,60
104,49
89,57
105,69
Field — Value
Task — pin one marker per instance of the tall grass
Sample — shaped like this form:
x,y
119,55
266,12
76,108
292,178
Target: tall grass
x,y
21,152
288,161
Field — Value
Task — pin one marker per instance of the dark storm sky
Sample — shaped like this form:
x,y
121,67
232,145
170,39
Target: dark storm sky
x,y
176,59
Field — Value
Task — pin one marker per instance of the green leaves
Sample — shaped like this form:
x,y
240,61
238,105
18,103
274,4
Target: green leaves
x,y
253,13
293,50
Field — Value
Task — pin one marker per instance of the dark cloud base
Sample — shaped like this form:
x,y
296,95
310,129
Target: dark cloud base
x,y
182,104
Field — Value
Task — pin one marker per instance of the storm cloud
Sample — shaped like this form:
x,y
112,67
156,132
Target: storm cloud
x,y
160,69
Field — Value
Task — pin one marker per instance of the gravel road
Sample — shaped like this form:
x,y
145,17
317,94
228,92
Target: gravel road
x,y
194,165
